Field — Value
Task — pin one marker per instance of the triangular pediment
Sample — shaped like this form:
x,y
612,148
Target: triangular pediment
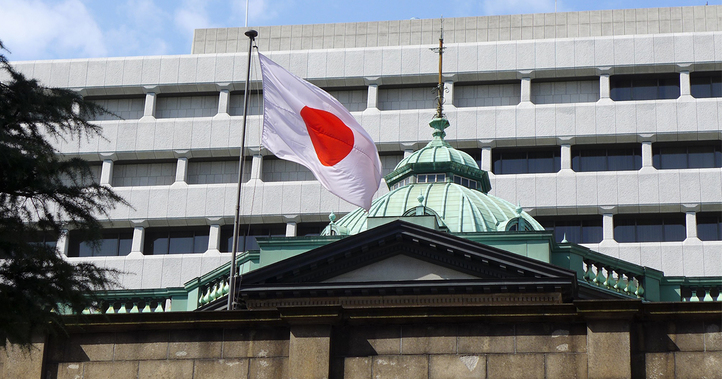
x,y
401,251
399,268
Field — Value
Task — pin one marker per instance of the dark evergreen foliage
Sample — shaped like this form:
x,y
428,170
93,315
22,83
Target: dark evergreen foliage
x,y
41,194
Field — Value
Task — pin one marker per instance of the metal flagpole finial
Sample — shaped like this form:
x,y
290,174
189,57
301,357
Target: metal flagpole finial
x,y
440,86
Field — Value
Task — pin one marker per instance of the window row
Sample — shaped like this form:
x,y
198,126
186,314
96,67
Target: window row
x,y
182,240
619,157
466,94
634,227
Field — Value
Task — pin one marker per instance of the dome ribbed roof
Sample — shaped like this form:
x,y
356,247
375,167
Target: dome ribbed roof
x,y
461,209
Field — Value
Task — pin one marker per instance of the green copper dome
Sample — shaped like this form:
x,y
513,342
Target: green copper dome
x,y
438,157
459,208
441,181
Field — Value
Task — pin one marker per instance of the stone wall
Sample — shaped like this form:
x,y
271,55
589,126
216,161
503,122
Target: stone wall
x,y
206,353
589,339
467,350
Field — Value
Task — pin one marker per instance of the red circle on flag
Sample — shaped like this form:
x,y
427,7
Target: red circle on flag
x,y
331,138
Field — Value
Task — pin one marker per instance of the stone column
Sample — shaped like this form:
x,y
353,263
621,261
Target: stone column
x,y
291,229
372,101
63,243
525,77
690,211
566,157
214,235
106,170
291,225
150,102
309,351
604,86
647,158
685,88
408,148
608,224
608,349
257,166
224,99
486,163
181,170
136,246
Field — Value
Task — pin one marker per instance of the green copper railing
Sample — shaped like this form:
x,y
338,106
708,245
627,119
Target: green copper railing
x,y
593,269
633,280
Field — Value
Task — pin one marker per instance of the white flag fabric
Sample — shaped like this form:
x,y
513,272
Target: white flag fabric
x,y
304,124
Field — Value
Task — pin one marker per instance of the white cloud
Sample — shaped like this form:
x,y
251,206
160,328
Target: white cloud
x,y
497,7
142,25
259,11
38,29
191,15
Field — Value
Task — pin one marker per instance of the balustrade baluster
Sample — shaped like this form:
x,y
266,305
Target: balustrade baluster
x,y
640,289
135,308
159,307
147,309
610,282
694,298
110,309
588,273
707,294
620,285
599,279
631,287
122,308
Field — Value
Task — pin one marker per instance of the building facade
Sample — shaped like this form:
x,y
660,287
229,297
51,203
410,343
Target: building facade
x,y
603,125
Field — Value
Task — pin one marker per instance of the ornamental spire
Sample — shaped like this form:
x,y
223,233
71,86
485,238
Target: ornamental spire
x,y
440,85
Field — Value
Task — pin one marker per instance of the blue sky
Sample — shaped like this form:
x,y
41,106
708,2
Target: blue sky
x,y
59,29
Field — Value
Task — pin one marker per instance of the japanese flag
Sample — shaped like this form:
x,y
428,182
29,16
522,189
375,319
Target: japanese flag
x,y
304,124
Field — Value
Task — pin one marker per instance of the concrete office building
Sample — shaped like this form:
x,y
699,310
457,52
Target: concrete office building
x,y
604,125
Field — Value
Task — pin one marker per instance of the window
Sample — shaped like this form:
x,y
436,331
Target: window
x,y
644,87
310,228
649,228
144,173
401,183
525,161
578,229
113,243
709,226
706,84
176,241
681,155
468,183
247,235
430,178
606,158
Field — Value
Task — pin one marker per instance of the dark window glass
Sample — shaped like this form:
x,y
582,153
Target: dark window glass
x,y
310,228
602,158
706,84
649,228
247,235
525,160
709,226
112,243
681,155
644,87
176,241
578,229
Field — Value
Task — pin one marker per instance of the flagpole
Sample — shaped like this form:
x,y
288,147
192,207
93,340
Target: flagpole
x,y
251,34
